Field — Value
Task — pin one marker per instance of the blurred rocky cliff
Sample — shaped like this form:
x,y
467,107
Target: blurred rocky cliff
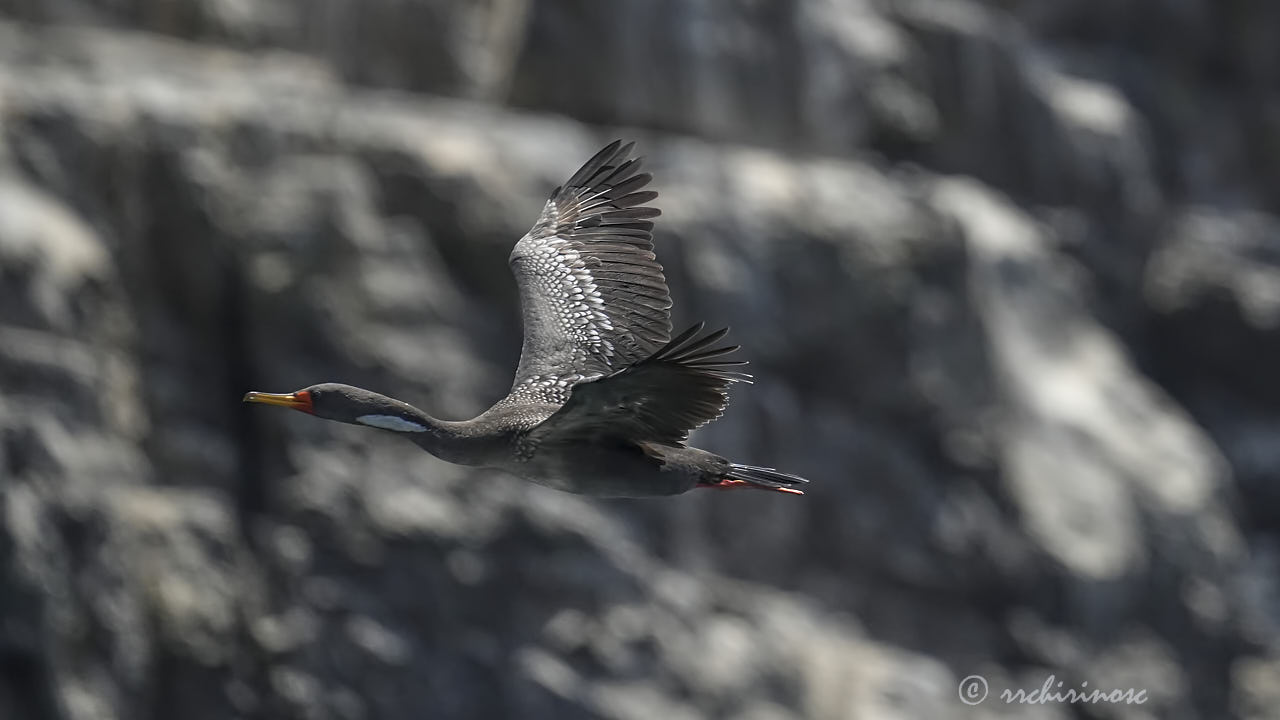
x,y
1008,273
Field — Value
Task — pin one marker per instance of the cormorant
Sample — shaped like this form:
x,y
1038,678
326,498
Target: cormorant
x,y
603,399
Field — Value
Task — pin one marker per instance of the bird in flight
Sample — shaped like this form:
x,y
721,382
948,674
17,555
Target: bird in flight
x,y
604,398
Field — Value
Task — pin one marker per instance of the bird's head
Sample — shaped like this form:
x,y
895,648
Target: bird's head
x,y
344,403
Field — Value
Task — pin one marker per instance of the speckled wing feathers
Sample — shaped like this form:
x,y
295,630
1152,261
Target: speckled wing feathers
x,y
593,296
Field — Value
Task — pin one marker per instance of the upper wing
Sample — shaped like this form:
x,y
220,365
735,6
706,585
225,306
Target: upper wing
x,y
660,399
592,294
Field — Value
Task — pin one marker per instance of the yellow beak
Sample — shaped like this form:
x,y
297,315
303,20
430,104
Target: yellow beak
x,y
300,400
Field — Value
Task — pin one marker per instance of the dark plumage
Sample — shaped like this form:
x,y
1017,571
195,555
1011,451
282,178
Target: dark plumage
x,y
603,398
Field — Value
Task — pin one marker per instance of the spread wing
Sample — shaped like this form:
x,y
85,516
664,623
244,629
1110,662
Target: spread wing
x,y
660,399
593,296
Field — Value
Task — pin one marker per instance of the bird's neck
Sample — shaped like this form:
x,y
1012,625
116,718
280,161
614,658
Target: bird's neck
x,y
447,440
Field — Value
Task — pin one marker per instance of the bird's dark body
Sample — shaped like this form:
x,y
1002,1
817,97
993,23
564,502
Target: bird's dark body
x,y
604,398
613,467
618,469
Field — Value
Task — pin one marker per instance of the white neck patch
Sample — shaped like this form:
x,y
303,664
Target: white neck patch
x,y
390,422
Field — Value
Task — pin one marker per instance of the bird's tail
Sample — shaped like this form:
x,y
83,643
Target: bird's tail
x,y
761,478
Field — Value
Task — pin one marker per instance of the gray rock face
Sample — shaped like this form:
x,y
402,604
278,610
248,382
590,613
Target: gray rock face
x,y
1007,273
